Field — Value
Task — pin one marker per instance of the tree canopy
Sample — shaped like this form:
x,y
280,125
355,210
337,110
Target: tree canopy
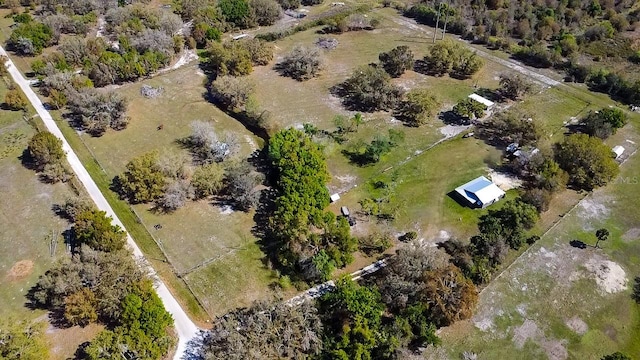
x,y
369,89
397,60
45,148
143,180
94,228
588,161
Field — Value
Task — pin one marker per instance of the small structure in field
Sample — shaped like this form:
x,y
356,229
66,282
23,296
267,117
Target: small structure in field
x,y
345,211
334,198
480,192
482,100
618,150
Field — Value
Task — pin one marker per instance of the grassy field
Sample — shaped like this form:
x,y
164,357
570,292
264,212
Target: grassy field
x,y
28,222
547,303
201,239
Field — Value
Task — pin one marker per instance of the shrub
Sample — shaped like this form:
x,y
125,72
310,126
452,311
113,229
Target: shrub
x,y
45,148
513,87
14,100
97,111
94,228
230,91
302,63
175,195
228,59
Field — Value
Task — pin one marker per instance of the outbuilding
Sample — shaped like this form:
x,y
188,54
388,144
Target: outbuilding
x,y
618,150
482,100
480,192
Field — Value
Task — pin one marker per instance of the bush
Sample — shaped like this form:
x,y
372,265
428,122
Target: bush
x,y
230,91
175,195
302,63
14,100
30,38
397,61
419,107
289,4
56,172
208,180
375,243
369,89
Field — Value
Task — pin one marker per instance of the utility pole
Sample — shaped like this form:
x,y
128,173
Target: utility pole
x,y
435,32
446,19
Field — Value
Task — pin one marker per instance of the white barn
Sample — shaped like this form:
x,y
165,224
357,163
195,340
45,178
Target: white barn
x,y
480,192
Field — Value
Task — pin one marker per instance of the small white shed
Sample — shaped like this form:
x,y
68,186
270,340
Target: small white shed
x,y
335,197
618,150
482,100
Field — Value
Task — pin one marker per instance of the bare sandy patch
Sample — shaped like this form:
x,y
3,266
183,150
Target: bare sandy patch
x,y
453,130
609,276
577,325
505,181
20,270
593,209
528,330
631,235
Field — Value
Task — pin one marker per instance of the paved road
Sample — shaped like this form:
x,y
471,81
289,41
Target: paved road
x,y
185,328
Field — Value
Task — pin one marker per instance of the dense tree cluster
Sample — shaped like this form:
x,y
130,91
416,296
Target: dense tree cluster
x,y
45,155
419,107
30,38
23,340
588,161
397,60
604,122
453,58
299,209
511,127
277,331
369,89
97,111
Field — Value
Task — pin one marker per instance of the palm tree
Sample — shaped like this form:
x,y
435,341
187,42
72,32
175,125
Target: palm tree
x,y
602,235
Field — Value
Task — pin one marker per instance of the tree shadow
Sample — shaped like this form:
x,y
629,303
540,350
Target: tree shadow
x,y
451,118
422,67
578,244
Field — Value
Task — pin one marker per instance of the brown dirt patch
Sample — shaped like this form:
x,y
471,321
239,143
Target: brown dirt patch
x,y
20,270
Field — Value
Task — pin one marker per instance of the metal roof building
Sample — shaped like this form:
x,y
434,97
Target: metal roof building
x,y
480,192
484,101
